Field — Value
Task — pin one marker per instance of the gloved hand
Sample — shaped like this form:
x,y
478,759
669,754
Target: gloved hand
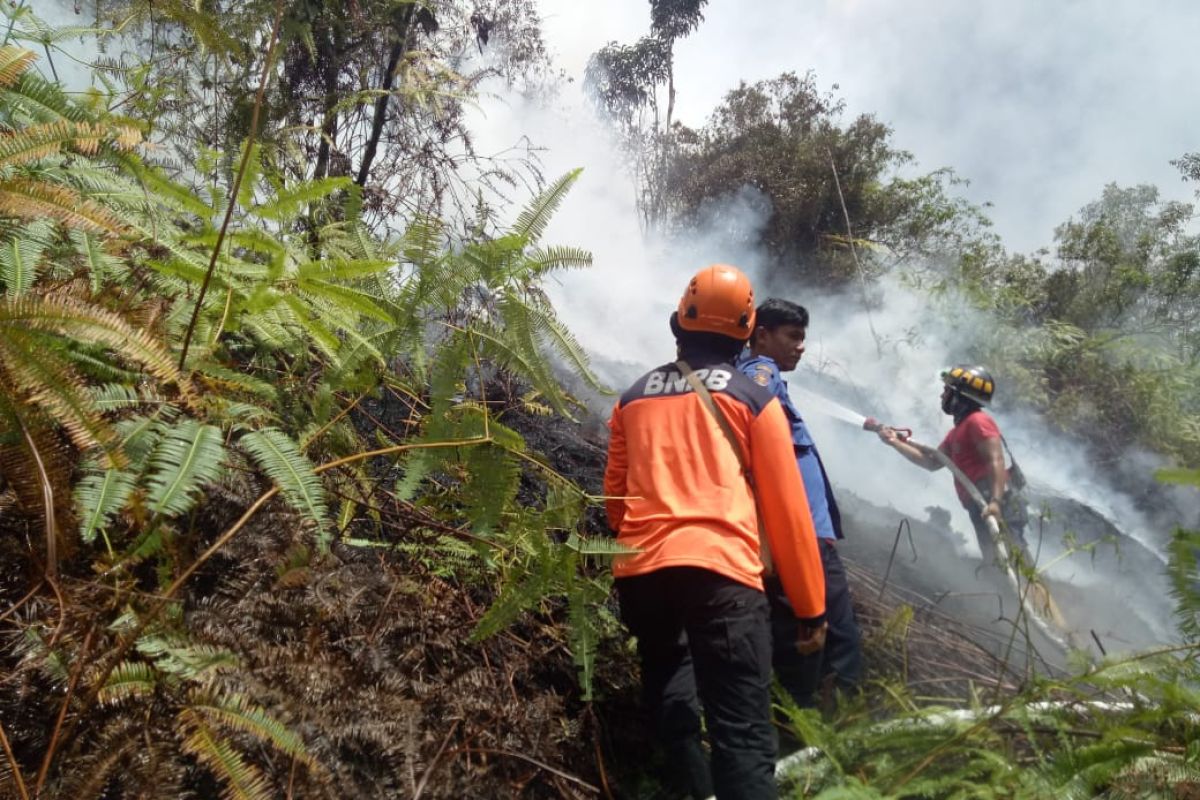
x,y
812,638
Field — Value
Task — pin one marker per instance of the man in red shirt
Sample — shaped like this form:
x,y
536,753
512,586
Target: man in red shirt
x,y
700,456
975,446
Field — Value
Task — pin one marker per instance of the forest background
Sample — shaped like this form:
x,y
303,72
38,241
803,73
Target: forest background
x,y
294,500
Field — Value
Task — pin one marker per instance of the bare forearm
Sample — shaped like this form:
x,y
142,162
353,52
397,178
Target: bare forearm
x,y
917,455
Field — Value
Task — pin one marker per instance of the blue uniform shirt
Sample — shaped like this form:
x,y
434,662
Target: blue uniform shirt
x,y
826,518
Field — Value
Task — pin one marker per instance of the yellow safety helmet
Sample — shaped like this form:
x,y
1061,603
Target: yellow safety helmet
x,y
972,382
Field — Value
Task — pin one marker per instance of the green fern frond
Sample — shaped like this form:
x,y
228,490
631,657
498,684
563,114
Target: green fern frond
x,y
139,435
185,659
416,466
550,331
100,264
280,458
20,257
236,712
597,546
117,397
345,298
342,269
583,632
492,484
99,496
246,414
532,221
303,315
129,679
544,260
218,376
290,202
1183,571
254,169
240,780
169,192
190,456
516,596
33,99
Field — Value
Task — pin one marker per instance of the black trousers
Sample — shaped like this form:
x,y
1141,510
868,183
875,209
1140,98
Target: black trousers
x,y
704,641
801,675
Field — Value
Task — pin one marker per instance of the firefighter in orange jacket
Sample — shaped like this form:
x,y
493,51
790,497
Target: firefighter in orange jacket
x,y
692,594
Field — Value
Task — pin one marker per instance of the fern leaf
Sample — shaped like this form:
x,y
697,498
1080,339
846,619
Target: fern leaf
x,y
168,191
550,330
114,397
183,658
543,260
100,265
292,201
347,298
303,315
13,63
35,142
598,546
19,258
140,434
583,633
190,456
236,712
218,376
48,382
33,99
34,200
342,269
491,487
280,458
240,780
532,221
254,168
98,497
515,597
129,679
92,325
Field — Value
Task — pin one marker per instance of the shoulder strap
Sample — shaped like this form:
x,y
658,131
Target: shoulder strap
x,y
1012,459
722,421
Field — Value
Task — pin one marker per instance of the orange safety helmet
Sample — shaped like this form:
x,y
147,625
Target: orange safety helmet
x,y
719,299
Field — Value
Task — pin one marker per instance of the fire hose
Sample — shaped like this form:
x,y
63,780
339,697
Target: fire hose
x,y
1035,597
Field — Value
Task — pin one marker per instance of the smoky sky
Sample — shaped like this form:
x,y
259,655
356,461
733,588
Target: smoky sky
x,y
1038,104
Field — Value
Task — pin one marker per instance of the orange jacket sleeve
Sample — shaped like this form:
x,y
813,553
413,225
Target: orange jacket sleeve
x,y
783,509
615,471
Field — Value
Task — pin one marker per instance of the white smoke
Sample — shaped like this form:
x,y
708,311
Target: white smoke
x,y
884,362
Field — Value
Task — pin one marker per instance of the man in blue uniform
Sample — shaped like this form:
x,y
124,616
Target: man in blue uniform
x,y
775,347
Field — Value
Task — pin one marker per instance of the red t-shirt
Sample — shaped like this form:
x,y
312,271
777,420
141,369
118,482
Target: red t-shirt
x,y
962,445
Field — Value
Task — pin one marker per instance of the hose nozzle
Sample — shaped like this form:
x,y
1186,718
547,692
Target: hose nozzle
x,y
875,426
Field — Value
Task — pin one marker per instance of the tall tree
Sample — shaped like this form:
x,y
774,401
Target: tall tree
x,y
376,90
624,82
